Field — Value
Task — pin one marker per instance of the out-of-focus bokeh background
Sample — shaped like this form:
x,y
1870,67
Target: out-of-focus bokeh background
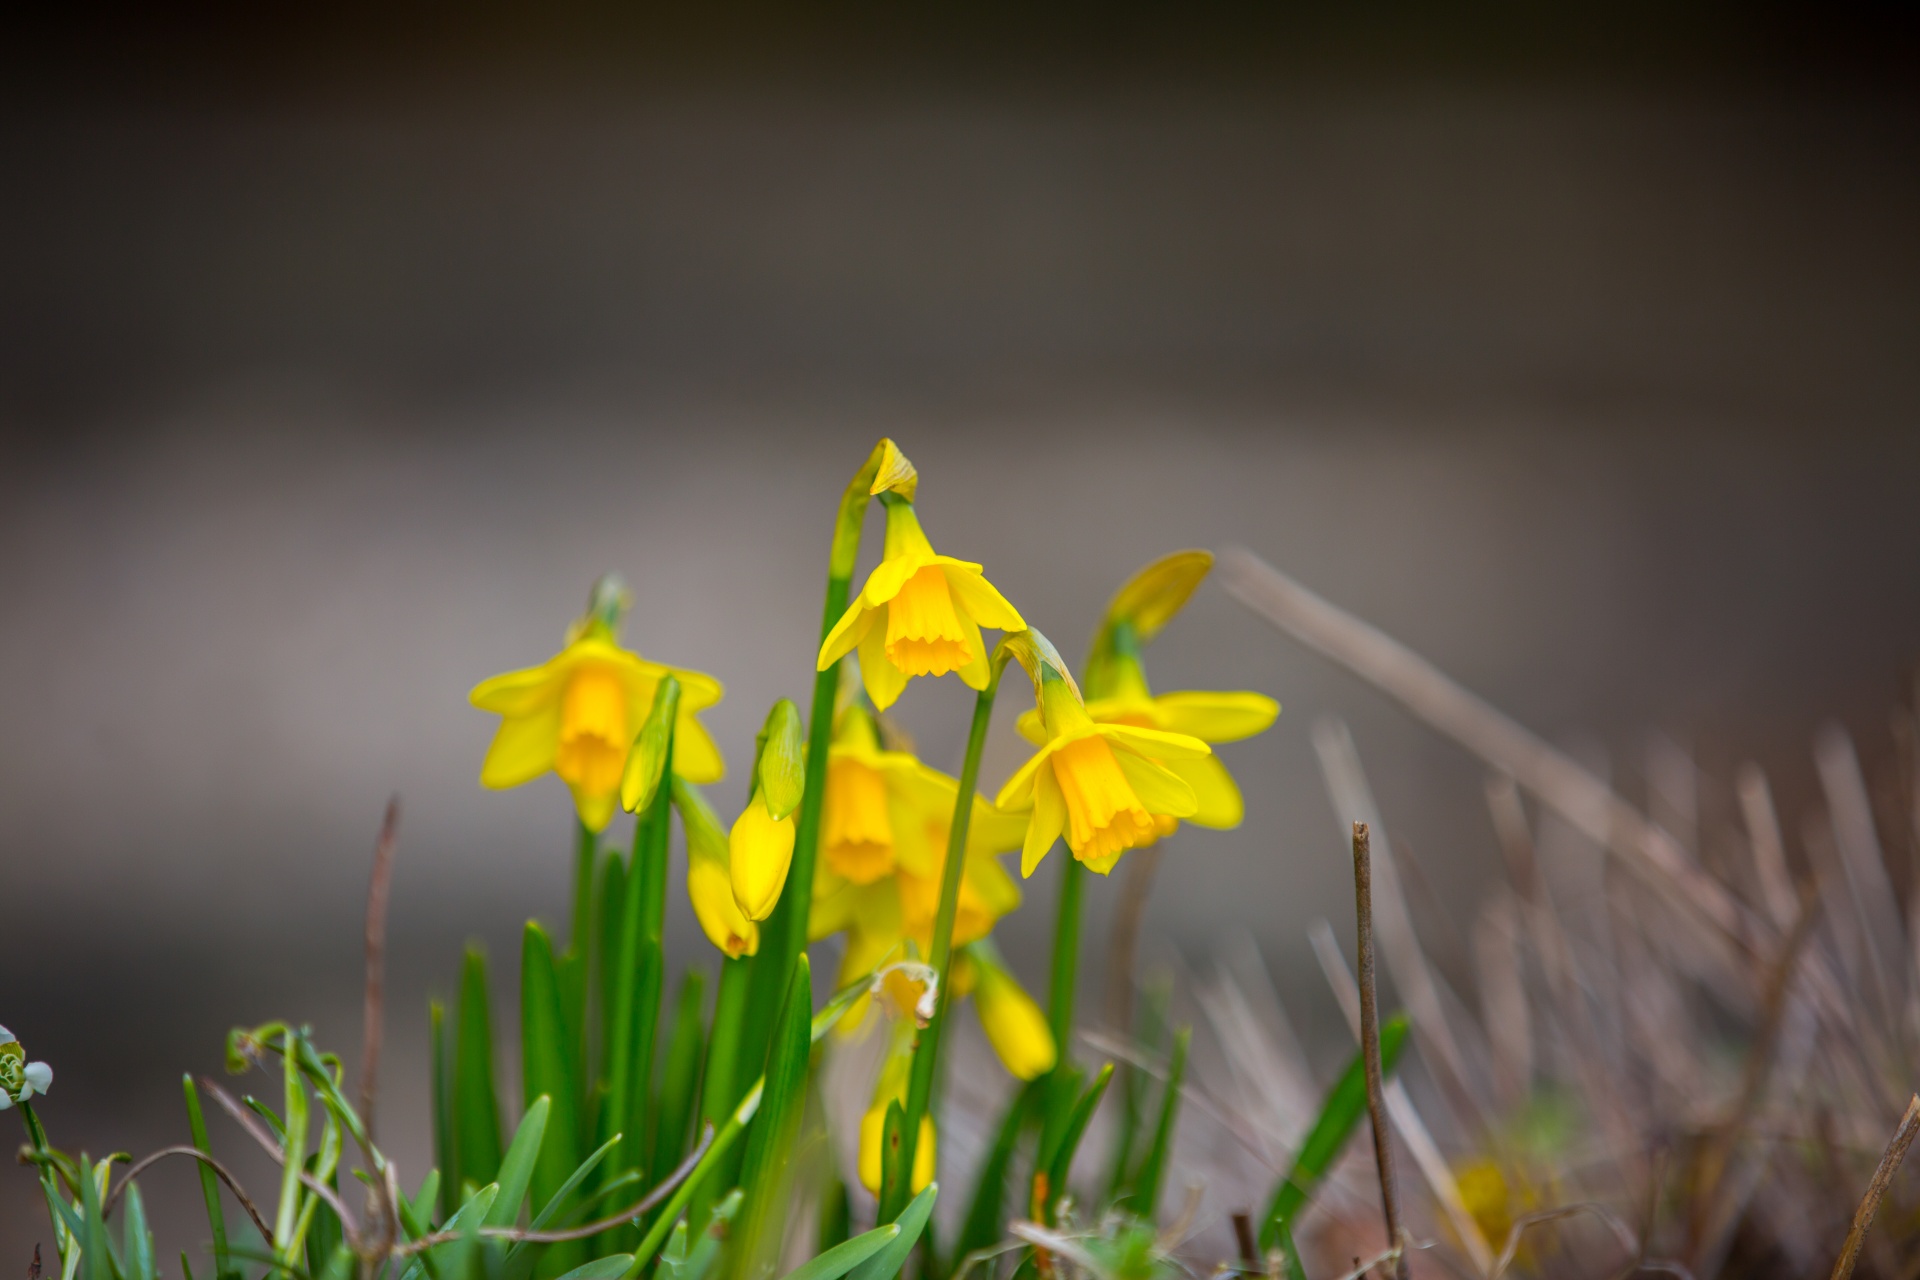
x,y
335,363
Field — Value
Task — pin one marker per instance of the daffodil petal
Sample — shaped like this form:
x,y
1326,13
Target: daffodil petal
x,y
847,634
1017,795
882,679
980,597
1157,744
695,755
1159,788
523,748
1049,819
515,693
1215,793
990,831
884,583
978,669
1216,717
595,810
997,890
1031,726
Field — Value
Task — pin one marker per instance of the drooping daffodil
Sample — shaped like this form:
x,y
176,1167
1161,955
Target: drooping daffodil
x,y
761,842
20,1080
1015,1026
919,614
1106,787
876,799
710,876
576,715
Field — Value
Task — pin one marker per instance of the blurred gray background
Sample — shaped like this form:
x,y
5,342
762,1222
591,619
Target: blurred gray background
x,y
335,365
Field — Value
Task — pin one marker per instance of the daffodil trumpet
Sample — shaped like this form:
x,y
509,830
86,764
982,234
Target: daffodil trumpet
x,y
784,934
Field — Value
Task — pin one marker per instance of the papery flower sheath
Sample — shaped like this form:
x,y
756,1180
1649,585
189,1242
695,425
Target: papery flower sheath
x,y
919,614
577,714
1106,787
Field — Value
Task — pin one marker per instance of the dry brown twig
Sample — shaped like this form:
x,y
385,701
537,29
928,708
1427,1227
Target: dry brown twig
x,y
1370,1042
220,1171
379,889
1890,1159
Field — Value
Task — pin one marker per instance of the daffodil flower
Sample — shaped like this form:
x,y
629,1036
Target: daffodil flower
x,y
872,793
1210,717
20,1079
763,835
1106,787
1015,1027
710,876
578,713
919,614
892,1088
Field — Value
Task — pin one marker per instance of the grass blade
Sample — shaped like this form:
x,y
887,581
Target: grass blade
x,y
1062,1162
209,1183
548,1070
476,1107
445,1140
1144,1197
770,1142
986,1219
680,1075
516,1169
912,1223
842,1258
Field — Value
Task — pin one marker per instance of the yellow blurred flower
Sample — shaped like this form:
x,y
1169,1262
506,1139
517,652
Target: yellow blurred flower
x,y
577,714
1106,787
891,1088
710,878
762,848
870,793
1014,1024
919,614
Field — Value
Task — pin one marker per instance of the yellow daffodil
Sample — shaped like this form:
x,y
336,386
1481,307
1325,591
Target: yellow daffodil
x,y
891,1088
1015,1027
919,614
762,837
1106,787
872,793
710,877
577,714
1210,717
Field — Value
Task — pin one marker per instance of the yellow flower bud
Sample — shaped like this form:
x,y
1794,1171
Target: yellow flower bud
x,y
1014,1024
762,849
720,917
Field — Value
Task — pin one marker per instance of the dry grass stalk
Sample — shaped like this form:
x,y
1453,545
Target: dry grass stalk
x,y
1370,1041
1896,1151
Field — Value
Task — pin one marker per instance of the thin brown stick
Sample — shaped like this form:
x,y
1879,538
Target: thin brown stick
x,y
220,1171
373,1023
1243,1236
1370,1041
1890,1159
246,1121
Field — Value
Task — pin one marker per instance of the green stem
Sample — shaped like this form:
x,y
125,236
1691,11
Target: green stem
x,y
717,1092
574,967
1066,957
586,856
650,979
926,1052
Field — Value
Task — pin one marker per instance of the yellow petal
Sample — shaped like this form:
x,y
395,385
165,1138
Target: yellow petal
x,y
720,919
1031,726
890,575
695,755
1018,793
882,679
1156,744
519,693
1015,1027
846,634
595,808
1216,795
989,881
761,849
522,748
979,597
979,668
1216,717
873,1129
1159,788
989,831
1049,817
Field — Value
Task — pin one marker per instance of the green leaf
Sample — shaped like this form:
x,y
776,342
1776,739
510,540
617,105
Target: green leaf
x,y
783,753
138,1246
648,761
1340,1114
770,1142
610,1267
516,1169
719,1090
836,1215
547,1067
680,1075
1145,1194
476,1106
912,1222
209,1183
893,1178
986,1215
1062,1162
339,1264
613,897
97,1258
446,1144
429,1194
842,1258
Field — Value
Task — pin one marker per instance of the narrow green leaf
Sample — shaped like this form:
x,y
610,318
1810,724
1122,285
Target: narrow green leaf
x,y
912,1222
1144,1198
1134,1086
680,1075
446,1143
610,1267
209,1183
97,1258
1339,1115
428,1196
268,1114
770,1142
516,1168
476,1105
547,1067
986,1214
339,1265
842,1258
836,1215
719,1091
137,1248
1057,1101
612,904
1062,1163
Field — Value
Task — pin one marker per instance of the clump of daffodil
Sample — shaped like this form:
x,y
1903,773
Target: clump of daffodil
x,y
1117,692
1105,787
919,613
889,1090
20,1080
710,876
762,837
578,713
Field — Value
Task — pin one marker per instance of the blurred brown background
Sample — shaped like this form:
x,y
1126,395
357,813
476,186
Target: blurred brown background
x,y
336,361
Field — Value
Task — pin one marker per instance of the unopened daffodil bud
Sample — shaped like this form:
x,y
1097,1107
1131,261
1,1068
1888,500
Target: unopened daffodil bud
x,y
782,767
1117,690
919,614
1105,787
891,1088
709,881
20,1080
577,714
762,838
1015,1027
647,761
